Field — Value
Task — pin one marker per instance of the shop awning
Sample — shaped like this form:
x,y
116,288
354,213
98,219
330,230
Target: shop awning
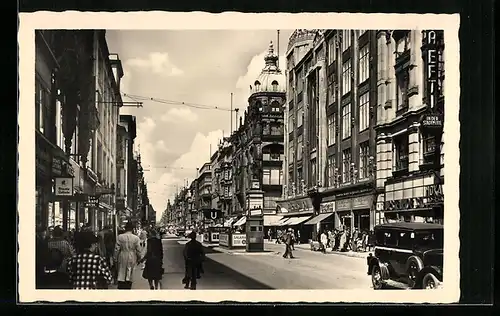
x,y
241,221
282,221
297,220
271,220
318,218
229,222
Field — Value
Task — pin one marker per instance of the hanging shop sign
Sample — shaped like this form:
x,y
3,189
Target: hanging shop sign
x,y
431,40
343,205
212,214
431,121
57,166
63,186
362,202
92,201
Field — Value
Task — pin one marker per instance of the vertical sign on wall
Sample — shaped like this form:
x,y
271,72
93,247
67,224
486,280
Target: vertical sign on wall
x,y
431,41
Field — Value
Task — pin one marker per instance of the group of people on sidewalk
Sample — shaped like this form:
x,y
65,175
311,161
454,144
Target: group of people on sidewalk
x,y
96,260
344,240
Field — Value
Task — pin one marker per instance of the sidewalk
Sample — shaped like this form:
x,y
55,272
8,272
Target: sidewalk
x,y
307,247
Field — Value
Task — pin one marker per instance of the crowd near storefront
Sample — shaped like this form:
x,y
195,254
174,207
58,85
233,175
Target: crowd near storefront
x,y
346,153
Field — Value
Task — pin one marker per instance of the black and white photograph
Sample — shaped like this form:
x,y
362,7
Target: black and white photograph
x,y
232,157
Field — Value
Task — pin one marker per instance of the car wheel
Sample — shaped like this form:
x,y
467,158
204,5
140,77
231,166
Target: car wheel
x,y
412,275
430,282
377,278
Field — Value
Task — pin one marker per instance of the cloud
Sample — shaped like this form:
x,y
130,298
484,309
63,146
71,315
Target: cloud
x,y
163,184
179,115
158,63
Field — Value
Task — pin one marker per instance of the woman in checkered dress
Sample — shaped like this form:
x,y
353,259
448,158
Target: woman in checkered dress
x,y
87,270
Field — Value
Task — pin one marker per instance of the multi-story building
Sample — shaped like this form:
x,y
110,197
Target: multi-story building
x,y
125,200
204,190
330,138
222,180
258,143
410,115
77,91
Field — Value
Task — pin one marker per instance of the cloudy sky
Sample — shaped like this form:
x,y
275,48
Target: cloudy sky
x,y
195,67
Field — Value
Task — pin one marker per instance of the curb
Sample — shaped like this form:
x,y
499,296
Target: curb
x,y
244,253
362,255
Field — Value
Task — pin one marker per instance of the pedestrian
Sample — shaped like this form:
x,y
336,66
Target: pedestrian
x,y
88,270
288,242
127,252
298,236
41,257
269,234
153,268
143,235
292,245
194,256
60,250
323,241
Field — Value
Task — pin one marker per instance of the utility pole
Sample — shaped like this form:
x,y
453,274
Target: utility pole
x,y
231,131
278,50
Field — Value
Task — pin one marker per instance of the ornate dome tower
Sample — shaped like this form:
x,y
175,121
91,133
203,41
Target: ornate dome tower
x,y
271,79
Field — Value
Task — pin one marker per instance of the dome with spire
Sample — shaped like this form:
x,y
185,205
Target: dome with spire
x,y
271,79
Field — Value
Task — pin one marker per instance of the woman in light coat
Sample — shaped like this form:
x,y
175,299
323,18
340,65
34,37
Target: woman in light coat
x,y
128,252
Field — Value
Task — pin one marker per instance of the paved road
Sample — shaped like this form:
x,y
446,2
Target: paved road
x,y
216,276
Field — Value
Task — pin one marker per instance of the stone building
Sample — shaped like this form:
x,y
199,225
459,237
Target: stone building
x,y
258,142
330,137
203,191
125,198
410,116
222,180
76,91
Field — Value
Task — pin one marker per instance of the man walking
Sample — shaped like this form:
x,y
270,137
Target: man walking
x,y
288,244
193,258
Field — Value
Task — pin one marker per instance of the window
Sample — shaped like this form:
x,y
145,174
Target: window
x,y
299,147
290,180
364,157
59,125
346,77
405,240
291,123
346,121
346,39
314,176
266,176
332,95
276,129
331,129
401,152
364,63
332,50
429,148
402,81
364,111
300,116
390,239
300,81
331,171
42,106
346,165
275,85
298,185
275,176
291,152
74,144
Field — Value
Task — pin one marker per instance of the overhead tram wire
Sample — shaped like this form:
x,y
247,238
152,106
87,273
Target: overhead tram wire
x,y
173,102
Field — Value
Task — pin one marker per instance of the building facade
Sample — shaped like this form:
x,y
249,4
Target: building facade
x,y
204,191
330,136
410,116
222,180
258,153
126,134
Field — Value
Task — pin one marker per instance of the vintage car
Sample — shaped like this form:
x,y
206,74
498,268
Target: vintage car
x,y
407,255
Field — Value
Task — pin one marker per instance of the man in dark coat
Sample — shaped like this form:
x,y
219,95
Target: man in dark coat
x,y
193,258
288,239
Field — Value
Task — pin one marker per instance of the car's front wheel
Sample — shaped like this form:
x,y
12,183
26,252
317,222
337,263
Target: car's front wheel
x,y
430,282
377,278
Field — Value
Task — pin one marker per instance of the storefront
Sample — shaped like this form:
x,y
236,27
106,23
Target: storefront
x,y
325,220
355,212
419,199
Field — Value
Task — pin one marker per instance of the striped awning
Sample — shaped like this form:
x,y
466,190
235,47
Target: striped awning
x,y
297,220
272,220
282,221
317,219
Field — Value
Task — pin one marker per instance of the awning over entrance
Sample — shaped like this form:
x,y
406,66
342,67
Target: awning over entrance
x,y
282,221
241,221
297,220
271,220
318,218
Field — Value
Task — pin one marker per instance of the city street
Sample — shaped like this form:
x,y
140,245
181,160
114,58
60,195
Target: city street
x,y
268,270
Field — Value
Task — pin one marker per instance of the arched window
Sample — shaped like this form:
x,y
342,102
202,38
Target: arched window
x,y
257,85
275,85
